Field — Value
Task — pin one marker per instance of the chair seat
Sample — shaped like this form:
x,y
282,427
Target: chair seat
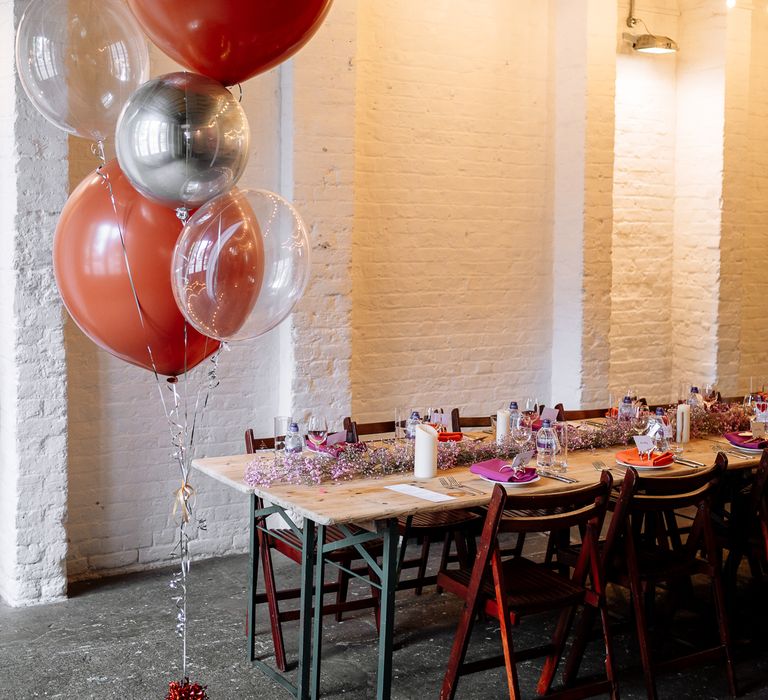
x,y
290,544
532,587
438,522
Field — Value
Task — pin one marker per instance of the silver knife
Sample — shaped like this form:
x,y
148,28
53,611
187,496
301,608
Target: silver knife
x,y
688,462
557,477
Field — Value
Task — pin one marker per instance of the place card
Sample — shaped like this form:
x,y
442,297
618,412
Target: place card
x,y
335,438
418,492
644,444
550,414
442,419
521,459
758,429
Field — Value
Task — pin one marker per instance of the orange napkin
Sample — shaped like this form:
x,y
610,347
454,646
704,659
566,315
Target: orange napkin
x,y
632,456
446,437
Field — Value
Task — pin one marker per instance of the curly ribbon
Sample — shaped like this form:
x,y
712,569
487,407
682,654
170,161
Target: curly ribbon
x,y
181,501
182,438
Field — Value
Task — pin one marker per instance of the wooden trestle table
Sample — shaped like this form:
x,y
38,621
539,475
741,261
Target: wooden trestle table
x,y
367,504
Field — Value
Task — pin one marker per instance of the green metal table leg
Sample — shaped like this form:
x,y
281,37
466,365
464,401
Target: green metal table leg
x,y
317,634
253,575
388,587
305,606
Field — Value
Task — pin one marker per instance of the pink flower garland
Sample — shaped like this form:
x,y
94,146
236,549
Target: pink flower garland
x,y
360,461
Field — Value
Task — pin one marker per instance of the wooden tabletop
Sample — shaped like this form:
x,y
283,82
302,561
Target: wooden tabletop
x,y
366,501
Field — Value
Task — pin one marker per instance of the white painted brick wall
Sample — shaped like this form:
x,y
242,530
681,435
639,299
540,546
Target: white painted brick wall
x,y
33,478
583,84
643,221
451,266
8,158
754,291
319,114
698,188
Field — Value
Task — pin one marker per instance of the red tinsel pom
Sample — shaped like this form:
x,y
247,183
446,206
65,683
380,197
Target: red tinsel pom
x,y
184,690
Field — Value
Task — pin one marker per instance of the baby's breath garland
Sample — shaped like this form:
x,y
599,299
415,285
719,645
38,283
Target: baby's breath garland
x,y
361,461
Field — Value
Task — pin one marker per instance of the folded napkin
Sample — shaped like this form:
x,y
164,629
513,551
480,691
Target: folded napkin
x,y
492,469
632,456
536,425
745,441
334,443
449,437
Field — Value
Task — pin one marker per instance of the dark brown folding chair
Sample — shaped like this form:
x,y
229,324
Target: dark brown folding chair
x,y
457,527
745,530
509,589
289,543
458,421
653,554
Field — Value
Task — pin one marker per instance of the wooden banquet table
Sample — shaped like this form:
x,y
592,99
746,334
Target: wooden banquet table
x,y
368,504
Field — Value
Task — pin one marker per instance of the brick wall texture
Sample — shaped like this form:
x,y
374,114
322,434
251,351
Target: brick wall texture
x,y
503,200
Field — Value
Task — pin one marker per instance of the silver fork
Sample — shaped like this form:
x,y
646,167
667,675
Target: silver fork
x,y
599,465
451,483
720,448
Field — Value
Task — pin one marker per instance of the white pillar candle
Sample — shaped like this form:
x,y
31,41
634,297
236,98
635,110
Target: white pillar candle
x,y
683,432
425,452
502,424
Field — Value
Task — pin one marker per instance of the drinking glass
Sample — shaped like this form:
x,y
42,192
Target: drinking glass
x,y
521,431
282,423
401,416
561,458
709,393
640,419
677,447
317,429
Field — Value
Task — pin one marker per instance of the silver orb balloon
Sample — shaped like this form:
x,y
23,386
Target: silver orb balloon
x,y
182,139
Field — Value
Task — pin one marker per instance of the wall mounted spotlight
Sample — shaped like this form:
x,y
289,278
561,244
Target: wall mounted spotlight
x,y
646,43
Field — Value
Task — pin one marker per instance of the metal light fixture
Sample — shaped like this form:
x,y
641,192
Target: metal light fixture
x,y
646,43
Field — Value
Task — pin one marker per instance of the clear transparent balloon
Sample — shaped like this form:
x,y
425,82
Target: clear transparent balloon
x,y
79,61
183,139
241,264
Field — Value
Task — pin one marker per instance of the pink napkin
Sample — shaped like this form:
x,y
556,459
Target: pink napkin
x,y
491,469
743,441
334,443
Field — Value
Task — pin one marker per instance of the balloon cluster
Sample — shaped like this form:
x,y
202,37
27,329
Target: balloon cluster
x,y
126,276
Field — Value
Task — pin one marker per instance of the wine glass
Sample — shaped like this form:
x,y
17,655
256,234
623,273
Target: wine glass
x,y
709,393
521,432
317,430
640,419
530,407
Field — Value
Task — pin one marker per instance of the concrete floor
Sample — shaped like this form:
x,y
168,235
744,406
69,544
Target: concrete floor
x,y
115,639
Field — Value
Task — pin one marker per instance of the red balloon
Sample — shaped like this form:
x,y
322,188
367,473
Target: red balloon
x,y
92,276
230,40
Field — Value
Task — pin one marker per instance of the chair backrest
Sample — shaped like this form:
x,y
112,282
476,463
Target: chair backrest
x,y
580,414
584,508
757,503
252,443
668,493
458,421
355,430
558,511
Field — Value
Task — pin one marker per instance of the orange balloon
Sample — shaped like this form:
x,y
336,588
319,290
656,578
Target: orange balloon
x,y
92,275
230,40
219,266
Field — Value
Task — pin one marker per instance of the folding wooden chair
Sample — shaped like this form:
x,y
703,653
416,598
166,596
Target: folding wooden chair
x,y
745,530
288,543
510,589
654,554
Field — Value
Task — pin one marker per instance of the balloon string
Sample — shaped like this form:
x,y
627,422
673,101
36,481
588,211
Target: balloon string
x,y
107,182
